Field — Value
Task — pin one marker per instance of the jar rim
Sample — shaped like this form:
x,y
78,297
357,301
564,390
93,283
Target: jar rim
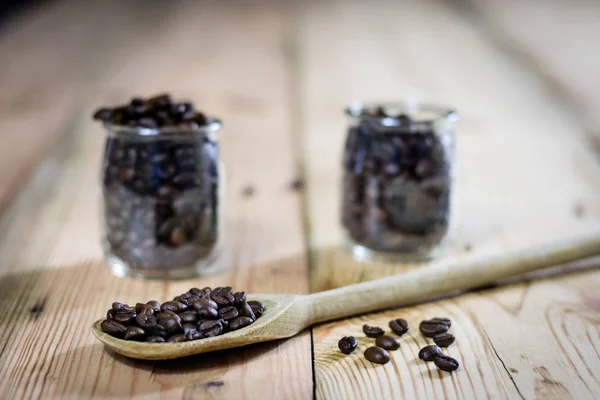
x,y
430,111
211,127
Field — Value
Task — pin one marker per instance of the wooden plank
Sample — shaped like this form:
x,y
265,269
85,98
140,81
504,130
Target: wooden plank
x,y
525,176
50,242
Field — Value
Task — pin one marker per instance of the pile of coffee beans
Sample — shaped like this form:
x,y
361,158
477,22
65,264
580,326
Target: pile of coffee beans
x,y
397,182
196,314
436,328
161,192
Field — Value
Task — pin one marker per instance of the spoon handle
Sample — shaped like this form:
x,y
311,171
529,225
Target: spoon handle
x,y
439,280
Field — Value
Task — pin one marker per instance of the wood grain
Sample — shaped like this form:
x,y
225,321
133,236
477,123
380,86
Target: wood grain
x,y
50,234
523,168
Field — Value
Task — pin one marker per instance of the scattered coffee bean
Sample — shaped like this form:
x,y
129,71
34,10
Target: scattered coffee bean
x,y
372,331
387,342
446,363
444,339
429,353
190,316
434,326
348,344
399,326
377,355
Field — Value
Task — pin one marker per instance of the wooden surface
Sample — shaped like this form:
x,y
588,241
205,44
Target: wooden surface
x,y
279,74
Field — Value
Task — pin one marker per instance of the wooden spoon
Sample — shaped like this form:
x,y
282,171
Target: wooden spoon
x,y
286,315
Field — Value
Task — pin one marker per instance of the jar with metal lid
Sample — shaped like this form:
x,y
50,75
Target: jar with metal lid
x,y
398,173
162,192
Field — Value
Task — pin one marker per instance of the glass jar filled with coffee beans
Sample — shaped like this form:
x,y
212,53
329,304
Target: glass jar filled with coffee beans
x,y
397,180
162,186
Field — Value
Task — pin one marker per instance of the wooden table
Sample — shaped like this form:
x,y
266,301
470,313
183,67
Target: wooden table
x,y
279,74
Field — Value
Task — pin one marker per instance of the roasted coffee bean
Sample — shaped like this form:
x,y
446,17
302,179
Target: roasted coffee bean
x,y
190,316
197,292
178,338
257,307
222,296
124,315
207,313
229,313
239,323
142,308
207,290
387,342
246,311
155,330
372,331
174,306
348,344
377,355
171,325
204,303
399,326
155,339
428,353
155,305
446,363
187,328
110,314
442,320
135,333
120,306
239,298
145,320
113,328
104,114
224,324
211,328
444,339
433,327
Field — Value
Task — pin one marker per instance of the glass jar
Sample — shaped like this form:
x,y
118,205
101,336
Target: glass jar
x,y
162,192
398,180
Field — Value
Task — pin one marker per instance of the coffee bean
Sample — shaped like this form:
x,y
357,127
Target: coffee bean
x,y
155,339
429,353
387,342
239,323
174,306
372,331
222,296
155,305
113,328
446,363
246,311
433,327
189,316
239,298
145,320
189,328
197,292
444,339
229,313
348,344
171,325
399,326
104,114
144,308
442,320
134,333
377,355
124,315
257,307
211,328
203,303
178,338
168,314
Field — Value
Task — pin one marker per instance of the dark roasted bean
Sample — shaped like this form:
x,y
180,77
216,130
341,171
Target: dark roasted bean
x,y
211,328
174,306
433,327
399,326
145,320
347,344
113,328
203,303
257,307
135,333
446,363
239,298
155,305
428,353
171,325
222,296
229,313
387,342
156,330
155,339
372,331
239,323
377,355
143,308
246,311
124,315
444,339
187,328
190,316
178,338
